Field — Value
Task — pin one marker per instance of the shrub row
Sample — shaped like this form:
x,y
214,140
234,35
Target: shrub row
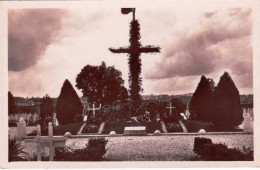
x,y
209,151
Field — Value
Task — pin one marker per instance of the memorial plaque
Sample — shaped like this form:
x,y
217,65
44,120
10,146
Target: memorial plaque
x,y
138,130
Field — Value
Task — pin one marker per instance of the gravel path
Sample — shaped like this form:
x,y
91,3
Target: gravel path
x,y
154,148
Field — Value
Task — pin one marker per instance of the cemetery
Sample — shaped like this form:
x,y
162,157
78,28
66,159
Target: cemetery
x,y
112,123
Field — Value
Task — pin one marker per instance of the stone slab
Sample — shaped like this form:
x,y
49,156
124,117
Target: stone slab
x,y
138,130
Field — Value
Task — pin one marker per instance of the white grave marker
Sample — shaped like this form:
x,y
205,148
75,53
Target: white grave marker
x,y
138,130
21,129
49,141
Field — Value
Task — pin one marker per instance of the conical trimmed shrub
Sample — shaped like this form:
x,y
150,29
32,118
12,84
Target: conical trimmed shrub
x,y
68,104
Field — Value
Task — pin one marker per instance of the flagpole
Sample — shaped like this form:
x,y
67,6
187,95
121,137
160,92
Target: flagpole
x,y
133,14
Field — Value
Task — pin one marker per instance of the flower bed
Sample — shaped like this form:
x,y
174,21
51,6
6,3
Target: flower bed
x,y
90,128
174,127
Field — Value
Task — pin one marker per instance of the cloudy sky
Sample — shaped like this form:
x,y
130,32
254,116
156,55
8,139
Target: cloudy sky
x,y
47,46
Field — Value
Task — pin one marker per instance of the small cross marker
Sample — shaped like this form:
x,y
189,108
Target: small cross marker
x,y
170,107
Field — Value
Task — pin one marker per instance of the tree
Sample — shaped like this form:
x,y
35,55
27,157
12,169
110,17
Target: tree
x,y
101,84
69,106
11,104
226,107
200,104
46,113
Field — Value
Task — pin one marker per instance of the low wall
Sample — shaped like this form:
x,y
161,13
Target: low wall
x,y
151,134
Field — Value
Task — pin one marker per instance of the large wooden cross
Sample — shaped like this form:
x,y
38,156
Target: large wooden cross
x,y
134,50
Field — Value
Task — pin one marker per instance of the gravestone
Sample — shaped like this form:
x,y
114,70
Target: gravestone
x,y
21,129
84,101
158,117
132,131
187,112
35,117
247,121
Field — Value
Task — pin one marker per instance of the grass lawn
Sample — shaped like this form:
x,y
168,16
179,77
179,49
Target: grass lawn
x,y
60,130
119,127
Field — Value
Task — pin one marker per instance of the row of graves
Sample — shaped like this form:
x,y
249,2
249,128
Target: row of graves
x,y
118,111
150,116
31,119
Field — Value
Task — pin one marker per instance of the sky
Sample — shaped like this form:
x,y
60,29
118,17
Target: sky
x,y
47,46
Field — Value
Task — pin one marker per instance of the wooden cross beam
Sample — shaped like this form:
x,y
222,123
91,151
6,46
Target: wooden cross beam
x,y
147,49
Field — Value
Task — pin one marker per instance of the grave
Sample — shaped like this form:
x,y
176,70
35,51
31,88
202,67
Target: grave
x,y
132,131
21,129
248,122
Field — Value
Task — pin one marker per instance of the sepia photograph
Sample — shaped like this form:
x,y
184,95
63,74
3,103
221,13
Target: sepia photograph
x,y
113,82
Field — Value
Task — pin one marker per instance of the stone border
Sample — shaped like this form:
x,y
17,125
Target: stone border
x,y
151,134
